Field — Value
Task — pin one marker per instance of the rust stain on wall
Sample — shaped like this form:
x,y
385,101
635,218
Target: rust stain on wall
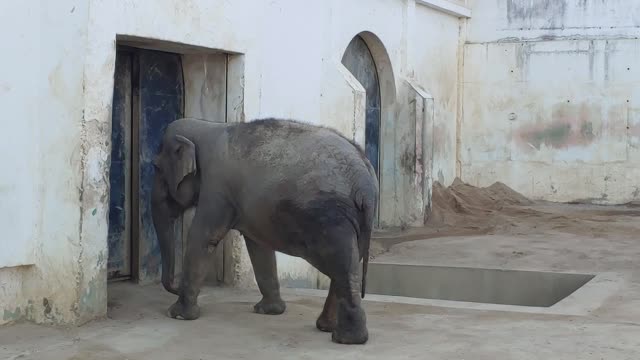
x,y
571,125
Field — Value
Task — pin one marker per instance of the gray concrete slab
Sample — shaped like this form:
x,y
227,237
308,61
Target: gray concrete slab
x,y
137,329
608,328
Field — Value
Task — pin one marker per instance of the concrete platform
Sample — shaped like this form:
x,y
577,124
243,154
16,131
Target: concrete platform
x,y
400,328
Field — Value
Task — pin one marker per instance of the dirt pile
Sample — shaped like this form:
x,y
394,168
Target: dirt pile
x,y
464,210
461,204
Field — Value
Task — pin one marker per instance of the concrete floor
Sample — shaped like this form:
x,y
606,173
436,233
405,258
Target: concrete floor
x,y
137,328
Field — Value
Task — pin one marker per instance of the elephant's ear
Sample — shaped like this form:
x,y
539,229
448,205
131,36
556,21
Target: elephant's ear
x,y
185,160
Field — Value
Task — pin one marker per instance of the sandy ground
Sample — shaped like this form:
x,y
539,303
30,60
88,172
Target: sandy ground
x,y
509,234
464,210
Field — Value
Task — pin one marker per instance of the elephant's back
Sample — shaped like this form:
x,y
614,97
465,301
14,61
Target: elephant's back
x,y
299,148
281,159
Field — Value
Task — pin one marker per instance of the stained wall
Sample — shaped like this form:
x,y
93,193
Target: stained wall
x,y
46,279
550,99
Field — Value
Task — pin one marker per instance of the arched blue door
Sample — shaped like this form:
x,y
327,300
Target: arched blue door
x,y
359,61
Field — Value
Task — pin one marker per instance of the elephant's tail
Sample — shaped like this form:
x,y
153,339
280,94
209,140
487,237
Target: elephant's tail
x,y
365,240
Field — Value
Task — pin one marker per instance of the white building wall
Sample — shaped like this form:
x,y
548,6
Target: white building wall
x,y
434,61
57,84
41,90
551,99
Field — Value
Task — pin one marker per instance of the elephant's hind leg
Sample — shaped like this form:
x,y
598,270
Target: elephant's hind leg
x,y
327,320
264,265
351,324
342,265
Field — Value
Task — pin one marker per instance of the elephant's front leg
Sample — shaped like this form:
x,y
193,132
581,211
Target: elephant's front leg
x,y
207,228
265,270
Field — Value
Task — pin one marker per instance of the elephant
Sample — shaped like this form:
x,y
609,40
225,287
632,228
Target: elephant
x,y
286,186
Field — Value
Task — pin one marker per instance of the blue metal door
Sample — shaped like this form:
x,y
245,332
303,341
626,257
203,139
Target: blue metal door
x,y
359,61
148,95
119,235
161,101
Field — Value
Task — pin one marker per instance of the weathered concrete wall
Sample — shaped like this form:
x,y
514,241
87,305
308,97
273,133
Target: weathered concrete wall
x,y
551,101
41,90
58,88
435,64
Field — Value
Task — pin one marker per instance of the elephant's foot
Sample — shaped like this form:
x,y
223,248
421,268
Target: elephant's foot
x,y
270,306
351,327
327,320
184,312
324,323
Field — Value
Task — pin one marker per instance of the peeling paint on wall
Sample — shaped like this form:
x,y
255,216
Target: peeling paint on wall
x,y
10,316
93,298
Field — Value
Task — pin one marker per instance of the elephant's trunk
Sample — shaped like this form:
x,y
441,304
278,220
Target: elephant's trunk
x,y
164,221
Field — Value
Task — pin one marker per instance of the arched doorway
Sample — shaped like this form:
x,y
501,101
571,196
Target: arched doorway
x,y
359,61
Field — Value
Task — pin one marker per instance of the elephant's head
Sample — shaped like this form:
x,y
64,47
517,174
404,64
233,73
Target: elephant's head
x,y
175,188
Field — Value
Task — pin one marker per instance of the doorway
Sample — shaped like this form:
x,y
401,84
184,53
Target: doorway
x,y
153,88
148,95
359,61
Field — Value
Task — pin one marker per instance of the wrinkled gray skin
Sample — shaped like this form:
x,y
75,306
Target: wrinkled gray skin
x,y
299,189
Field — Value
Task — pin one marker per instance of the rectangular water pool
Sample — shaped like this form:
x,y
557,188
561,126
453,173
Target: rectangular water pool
x,y
478,285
